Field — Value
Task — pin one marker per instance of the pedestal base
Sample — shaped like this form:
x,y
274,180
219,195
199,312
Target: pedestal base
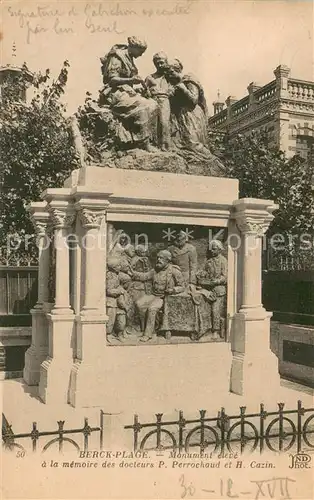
x,y
55,370
38,351
253,363
86,381
151,378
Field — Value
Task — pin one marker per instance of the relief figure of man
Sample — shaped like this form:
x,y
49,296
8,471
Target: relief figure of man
x,y
214,278
184,256
166,279
140,263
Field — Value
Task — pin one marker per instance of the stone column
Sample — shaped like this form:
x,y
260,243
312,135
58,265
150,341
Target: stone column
x,y
91,322
250,336
38,350
55,370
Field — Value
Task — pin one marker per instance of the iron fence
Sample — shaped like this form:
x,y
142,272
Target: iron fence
x,y
276,431
9,438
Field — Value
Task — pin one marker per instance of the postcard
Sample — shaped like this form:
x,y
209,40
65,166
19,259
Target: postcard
x,y
156,269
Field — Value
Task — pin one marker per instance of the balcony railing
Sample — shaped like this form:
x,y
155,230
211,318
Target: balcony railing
x,y
240,107
298,89
265,93
218,119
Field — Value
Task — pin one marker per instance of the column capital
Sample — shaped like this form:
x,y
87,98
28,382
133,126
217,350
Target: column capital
x,y
39,217
253,216
91,217
61,217
250,225
41,226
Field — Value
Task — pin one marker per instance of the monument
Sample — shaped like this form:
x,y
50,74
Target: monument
x,y
155,262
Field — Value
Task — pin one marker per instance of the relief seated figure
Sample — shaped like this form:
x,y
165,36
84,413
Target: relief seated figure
x,y
166,279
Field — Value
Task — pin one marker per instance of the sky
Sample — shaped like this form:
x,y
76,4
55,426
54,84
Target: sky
x,y
226,44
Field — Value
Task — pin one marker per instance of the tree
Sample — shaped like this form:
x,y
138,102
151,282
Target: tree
x,y
265,172
36,145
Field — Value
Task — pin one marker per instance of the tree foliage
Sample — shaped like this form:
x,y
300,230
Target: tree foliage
x,y
36,144
265,172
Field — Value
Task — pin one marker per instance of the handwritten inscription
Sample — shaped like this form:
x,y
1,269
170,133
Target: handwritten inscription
x,y
276,487
91,17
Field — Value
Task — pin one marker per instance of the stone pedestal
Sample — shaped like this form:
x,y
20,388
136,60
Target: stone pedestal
x,y
253,360
253,363
87,380
38,350
81,367
56,368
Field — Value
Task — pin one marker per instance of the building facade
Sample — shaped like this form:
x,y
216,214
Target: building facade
x,y
284,108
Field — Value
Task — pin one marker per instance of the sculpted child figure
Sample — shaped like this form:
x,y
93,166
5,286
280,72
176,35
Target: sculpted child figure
x,y
160,90
116,299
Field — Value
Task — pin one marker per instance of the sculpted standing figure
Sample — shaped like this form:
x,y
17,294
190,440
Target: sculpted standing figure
x,y
160,90
214,278
115,300
184,255
166,279
122,249
123,92
140,263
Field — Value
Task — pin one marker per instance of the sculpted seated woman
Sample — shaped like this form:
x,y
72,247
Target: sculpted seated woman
x,y
124,91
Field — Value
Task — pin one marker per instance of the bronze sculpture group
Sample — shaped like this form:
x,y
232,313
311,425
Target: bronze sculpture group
x,y
173,296
164,112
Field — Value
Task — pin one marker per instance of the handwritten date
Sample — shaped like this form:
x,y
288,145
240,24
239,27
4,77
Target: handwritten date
x,y
276,487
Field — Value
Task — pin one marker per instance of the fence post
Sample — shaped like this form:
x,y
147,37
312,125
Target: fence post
x,y
181,427
158,424
34,436
263,415
101,432
86,432
136,430
281,431
60,431
300,414
202,442
242,417
221,425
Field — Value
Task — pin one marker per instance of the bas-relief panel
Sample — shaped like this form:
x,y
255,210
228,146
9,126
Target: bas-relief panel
x,y
165,284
